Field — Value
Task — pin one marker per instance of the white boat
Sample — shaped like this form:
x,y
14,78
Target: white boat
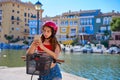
x,y
66,48
114,50
99,48
87,49
70,48
77,48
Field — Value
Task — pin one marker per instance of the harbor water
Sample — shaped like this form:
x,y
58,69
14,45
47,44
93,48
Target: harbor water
x,y
91,66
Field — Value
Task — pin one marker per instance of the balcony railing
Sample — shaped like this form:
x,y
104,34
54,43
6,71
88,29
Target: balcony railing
x,y
25,32
15,19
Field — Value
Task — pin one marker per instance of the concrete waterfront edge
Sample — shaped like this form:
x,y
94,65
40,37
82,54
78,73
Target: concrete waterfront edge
x,y
19,73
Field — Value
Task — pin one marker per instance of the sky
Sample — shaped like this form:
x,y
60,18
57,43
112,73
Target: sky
x,y
57,7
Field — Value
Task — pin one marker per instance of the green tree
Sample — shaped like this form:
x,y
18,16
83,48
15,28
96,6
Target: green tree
x,y
106,33
26,42
76,41
9,38
115,24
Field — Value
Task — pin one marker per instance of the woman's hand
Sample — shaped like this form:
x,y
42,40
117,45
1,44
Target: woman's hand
x,y
38,42
35,43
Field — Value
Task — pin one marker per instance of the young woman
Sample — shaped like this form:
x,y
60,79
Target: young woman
x,y
48,43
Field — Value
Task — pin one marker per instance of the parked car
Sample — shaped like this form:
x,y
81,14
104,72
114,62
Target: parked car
x,y
112,50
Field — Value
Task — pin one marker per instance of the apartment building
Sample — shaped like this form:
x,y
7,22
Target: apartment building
x,y
14,18
87,25
69,22
103,23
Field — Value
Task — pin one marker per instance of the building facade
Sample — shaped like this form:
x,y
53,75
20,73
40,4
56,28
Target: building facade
x,y
19,19
68,27
103,23
86,25
14,18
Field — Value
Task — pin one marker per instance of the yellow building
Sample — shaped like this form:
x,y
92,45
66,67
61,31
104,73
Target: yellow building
x,y
69,27
14,18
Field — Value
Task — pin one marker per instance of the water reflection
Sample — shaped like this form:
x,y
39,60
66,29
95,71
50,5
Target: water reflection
x,y
91,66
12,59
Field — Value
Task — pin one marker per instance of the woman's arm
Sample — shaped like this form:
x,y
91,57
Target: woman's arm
x,y
31,50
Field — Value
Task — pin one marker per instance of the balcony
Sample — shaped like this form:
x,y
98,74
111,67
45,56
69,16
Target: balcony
x,y
15,19
26,32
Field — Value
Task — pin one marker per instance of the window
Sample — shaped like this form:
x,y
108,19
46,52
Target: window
x,y
62,23
83,29
73,31
66,23
17,23
0,11
18,12
117,37
90,20
81,21
109,20
33,31
103,29
28,20
13,10
75,23
12,28
12,22
85,21
12,17
71,23
105,20
109,28
0,24
28,15
25,14
17,29
63,29
18,18
98,20
13,5
25,30
0,17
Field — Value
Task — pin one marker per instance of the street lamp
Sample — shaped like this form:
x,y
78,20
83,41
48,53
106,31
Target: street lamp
x,y
38,6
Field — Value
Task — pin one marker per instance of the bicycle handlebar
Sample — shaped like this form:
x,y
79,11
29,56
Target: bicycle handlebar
x,y
56,60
